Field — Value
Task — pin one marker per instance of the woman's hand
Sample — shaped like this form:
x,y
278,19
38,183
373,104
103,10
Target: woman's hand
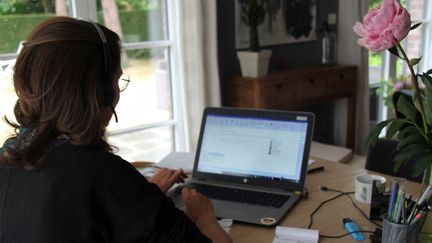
x,y
198,207
165,178
200,210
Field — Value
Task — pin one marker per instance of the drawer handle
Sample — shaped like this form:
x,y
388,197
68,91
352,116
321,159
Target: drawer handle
x,y
278,86
312,80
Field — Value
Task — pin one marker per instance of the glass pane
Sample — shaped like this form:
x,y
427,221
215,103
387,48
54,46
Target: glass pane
x,y
146,145
135,21
375,67
147,98
17,19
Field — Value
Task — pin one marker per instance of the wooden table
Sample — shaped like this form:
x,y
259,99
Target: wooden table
x,y
328,219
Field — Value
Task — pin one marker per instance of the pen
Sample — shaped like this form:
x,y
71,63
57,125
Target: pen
x,y
314,170
417,218
392,200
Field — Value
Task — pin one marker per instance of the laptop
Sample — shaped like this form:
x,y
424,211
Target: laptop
x,y
252,163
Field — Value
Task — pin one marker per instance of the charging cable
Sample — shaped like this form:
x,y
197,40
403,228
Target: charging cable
x,y
341,193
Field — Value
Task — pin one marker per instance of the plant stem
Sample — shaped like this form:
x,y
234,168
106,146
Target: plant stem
x,y
417,89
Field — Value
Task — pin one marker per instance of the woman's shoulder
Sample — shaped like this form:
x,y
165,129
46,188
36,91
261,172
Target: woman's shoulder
x,y
108,170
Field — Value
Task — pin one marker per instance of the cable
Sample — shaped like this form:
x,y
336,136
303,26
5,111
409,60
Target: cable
x,y
322,203
355,205
341,236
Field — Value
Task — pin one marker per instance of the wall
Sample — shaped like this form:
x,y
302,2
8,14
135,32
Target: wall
x,y
283,55
306,53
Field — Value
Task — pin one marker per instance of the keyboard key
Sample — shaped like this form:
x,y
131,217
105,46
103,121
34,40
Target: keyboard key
x,y
242,196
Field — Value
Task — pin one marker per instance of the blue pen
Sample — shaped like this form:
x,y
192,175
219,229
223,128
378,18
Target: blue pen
x,y
392,202
351,227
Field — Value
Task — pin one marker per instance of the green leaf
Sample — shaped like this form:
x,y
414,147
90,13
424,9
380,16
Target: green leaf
x,y
410,151
394,127
408,140
415,26
393,50
374,133
427,98
408,131
397,165
429,71
414,61
406,108
422,163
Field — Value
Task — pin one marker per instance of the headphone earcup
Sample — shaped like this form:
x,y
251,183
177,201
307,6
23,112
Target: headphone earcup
x,y
108,95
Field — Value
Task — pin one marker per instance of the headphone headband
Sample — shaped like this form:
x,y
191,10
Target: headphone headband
x,y
107,86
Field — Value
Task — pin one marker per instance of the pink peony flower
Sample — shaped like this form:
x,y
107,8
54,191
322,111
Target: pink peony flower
x,y
383,27
398,86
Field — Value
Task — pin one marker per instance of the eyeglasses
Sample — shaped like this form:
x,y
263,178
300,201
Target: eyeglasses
x,y
124,81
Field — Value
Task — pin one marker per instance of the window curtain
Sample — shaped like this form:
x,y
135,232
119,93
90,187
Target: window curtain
x,y
350,53
198,56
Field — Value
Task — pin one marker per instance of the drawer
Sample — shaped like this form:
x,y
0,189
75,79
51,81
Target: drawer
x,y
278,93
309,87
341,82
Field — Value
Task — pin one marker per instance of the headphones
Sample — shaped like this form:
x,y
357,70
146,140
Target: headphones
x,y
107,86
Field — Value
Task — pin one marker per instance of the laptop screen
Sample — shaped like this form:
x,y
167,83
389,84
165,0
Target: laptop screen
x,y
253,147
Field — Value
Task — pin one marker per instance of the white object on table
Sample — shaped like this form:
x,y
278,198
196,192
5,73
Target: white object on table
x,y
178,160
293,235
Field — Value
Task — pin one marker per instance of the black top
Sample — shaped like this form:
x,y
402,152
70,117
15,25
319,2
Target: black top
x,y
84,194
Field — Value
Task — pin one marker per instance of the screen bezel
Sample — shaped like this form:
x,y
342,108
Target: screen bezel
x,y
288,185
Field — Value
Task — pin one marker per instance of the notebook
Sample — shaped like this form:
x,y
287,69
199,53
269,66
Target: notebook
x,y
252,163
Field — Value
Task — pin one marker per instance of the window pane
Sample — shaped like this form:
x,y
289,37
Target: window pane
x,y
147,98
146,145
17,19
135,21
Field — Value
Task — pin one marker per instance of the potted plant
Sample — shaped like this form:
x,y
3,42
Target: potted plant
x,y
384,28
254,62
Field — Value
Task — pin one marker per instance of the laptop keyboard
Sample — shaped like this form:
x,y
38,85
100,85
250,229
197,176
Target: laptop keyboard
x,y
243,196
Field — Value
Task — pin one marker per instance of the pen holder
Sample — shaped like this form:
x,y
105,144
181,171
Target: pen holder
x,y
399,233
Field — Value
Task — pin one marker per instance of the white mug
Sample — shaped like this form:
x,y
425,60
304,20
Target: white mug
x,y
363,186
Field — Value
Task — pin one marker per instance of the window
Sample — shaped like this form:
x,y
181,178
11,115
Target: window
x,y
150,124
17,19
385,68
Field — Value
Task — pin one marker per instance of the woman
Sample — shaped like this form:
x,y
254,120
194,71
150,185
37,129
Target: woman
x,y
59,181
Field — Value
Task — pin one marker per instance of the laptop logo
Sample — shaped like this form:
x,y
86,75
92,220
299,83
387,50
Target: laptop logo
x,y
245,180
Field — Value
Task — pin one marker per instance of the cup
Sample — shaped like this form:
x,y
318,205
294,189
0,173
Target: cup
x,y
363,186
399,233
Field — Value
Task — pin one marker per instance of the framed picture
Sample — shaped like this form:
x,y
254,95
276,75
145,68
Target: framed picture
x,y
285,22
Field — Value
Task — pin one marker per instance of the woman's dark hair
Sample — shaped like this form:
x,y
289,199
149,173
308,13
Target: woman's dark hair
x,y
58,78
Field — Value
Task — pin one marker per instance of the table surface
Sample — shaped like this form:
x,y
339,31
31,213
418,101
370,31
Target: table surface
x,y
329,217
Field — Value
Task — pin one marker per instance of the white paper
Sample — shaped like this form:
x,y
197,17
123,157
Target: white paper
x,y
226,224
178,160
330,152
311,161
291,234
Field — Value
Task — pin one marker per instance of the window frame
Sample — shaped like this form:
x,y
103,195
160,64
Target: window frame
x,y
87,9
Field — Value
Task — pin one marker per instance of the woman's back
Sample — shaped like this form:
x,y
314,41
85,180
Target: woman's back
x,y
84,194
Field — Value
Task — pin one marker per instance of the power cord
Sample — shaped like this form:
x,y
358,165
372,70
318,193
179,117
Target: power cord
x,y
320,205
346,234
341,193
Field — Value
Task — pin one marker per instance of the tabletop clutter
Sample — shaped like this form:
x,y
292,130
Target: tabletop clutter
x,y
401,222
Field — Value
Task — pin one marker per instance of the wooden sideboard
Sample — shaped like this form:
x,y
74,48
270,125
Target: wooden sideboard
x,y
298,87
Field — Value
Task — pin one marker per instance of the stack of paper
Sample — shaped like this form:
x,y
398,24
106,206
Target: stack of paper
x,y
290,234
330,153
178,160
